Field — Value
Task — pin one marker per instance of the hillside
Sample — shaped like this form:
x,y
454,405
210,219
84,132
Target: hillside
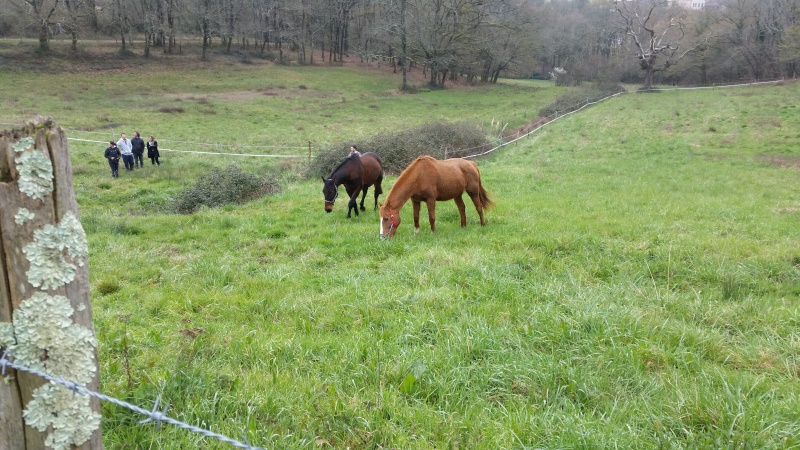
x,y
636,285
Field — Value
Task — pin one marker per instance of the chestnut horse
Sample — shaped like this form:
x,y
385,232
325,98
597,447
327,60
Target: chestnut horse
x,y
357,174
429,180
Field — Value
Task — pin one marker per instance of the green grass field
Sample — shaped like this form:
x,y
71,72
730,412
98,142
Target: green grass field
x,y
636,285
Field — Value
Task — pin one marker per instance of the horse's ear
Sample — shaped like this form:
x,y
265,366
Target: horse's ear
x,y
380,205
323,179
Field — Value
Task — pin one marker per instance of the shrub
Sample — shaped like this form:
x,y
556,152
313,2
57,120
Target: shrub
x,y
576,98
107,287
223,186
398,149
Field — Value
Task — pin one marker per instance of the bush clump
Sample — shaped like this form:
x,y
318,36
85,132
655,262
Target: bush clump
x,y
223,186
576,98
107,287
398,149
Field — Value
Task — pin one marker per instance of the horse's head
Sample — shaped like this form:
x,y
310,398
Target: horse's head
x,y
330,191
390,220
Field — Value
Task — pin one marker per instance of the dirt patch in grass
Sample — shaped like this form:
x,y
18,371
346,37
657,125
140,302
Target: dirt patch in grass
x,y
245,96
171,109
105,126
782,160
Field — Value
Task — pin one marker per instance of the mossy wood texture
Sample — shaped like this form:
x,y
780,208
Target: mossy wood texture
x,y
39,259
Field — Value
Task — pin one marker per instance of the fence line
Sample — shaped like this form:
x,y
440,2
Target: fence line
x,y
152,416
552,118
203,153
206,144
509,139
196,143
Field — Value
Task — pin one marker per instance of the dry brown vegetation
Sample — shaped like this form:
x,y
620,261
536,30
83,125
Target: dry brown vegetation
x,y
783,160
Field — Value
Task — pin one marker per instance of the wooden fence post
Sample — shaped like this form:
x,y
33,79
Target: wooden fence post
x,y
45,310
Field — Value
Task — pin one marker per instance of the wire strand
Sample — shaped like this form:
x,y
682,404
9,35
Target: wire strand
x,y
153,416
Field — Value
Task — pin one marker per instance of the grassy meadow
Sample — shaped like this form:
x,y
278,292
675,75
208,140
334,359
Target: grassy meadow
x,y
636,285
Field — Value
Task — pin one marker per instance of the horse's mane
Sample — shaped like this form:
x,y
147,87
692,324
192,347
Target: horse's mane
x,y
346,160
411,169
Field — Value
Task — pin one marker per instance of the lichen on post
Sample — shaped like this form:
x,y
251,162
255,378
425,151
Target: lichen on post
x,y
45,312
44,324
56,253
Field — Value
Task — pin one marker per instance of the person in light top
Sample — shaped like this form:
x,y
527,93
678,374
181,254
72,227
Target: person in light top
x,y
125,148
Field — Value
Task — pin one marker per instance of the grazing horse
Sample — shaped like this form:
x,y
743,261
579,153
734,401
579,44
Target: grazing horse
x,y
357,174
429,180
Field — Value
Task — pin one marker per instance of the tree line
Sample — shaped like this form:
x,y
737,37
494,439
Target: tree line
x,y
570,41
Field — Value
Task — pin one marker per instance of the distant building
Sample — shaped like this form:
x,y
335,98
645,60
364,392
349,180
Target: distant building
x,y
699,4
691,4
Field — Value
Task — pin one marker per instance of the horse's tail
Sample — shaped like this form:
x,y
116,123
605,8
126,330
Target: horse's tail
x,y
378,183
485,200
482,194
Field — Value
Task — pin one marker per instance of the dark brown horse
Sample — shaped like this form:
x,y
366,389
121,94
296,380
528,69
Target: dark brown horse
x,y
357,174
429,180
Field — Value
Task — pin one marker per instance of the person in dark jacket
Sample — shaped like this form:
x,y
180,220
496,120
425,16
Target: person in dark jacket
x,y
152,151
112,155
137,147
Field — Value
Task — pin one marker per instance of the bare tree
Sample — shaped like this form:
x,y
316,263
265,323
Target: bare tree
x,y
395,23
40,11
444,32
121,21
790,49
753,35
73,17
655,31
505,38
205,26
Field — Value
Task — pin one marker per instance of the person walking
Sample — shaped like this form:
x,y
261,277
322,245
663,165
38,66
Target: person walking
x,y
152,151
137,148
112,155
125,150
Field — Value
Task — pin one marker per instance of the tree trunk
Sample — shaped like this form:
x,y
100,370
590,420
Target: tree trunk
x,y
170,27
206,27
403,44
648,78
38,211
93,15
44,37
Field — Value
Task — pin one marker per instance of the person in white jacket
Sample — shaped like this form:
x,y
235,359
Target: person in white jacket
x,y
125,148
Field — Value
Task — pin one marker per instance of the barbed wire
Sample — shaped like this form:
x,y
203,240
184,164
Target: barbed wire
x,y
152,416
